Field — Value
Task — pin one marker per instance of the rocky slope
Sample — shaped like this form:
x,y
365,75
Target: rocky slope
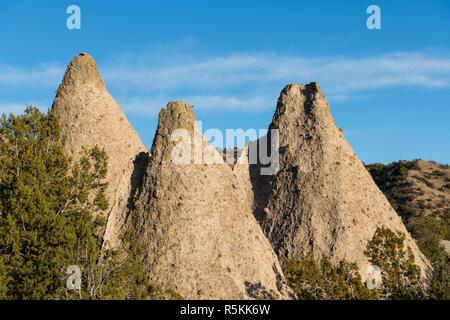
x,y
89,116
420,193
202,239
322,199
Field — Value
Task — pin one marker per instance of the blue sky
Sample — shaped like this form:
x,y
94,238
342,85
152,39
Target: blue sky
x,y
389,89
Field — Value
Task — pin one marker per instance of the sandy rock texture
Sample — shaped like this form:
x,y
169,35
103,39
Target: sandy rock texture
x,y
89,116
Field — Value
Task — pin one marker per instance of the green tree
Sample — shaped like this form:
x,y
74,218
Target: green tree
x,y
45,207
51,217
400,275
317,281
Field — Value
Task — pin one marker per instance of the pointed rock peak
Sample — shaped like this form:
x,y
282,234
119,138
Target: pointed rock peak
x,y
81,71
322,199
176,108
177,114
89,116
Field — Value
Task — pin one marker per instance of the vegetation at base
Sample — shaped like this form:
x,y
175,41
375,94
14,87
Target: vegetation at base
x,y
269,295
323,281
52,217
428,231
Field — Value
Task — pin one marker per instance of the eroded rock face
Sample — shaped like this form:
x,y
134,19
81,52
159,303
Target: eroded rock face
x,y
322,199
202,239
89,116
197,219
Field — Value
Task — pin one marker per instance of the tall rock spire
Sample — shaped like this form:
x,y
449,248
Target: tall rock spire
x,y
322,199
81,71
89,116
201,236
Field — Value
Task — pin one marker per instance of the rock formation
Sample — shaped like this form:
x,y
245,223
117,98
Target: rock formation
x,y
417,188
196,215
322,199
202,239
89,116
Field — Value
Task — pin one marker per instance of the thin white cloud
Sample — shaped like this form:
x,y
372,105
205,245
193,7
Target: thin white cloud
x,y
336,73
247,82
18,108
14,108
144,106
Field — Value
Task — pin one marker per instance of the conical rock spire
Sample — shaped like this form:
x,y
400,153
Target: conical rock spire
x,y
89,116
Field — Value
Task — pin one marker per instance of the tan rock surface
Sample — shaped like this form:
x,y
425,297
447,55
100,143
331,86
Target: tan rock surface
x,y
322,199
89,116
203,240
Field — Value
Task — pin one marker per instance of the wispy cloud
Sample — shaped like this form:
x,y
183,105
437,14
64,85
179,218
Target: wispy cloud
x,y
14,108
19,107
260,102
252,82
247,82
43,75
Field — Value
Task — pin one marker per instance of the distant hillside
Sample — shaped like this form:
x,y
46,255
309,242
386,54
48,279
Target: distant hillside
x,y
415,188
420,193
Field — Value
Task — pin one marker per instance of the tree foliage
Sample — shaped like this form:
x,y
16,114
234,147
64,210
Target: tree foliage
x,y
52,217
428,231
